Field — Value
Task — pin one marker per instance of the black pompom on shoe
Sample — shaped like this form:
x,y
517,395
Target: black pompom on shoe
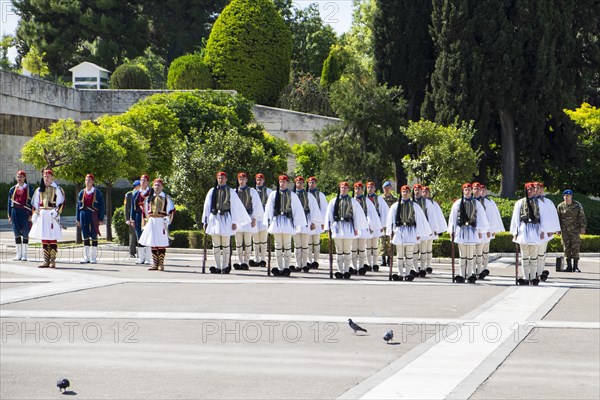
x,y
422,273
375,268
429,270
339,275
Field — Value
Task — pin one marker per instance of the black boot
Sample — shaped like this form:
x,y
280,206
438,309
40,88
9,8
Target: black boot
x,y
383,261
575,267
569,266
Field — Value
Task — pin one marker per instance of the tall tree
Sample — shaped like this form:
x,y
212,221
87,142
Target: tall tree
x,y
69,32
249,50
177,27
503,65
6,42
403,48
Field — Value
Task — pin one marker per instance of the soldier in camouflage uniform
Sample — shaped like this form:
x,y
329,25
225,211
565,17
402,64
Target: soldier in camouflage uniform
x,y
572,224
384,244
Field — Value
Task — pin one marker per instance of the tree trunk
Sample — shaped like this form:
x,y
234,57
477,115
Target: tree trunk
x,y
510,165
399,173
78,238
108,200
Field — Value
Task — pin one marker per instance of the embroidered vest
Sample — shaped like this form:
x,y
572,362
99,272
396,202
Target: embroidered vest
x,y
246,198
405,213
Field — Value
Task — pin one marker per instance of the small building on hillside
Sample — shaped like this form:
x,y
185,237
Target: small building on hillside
x,y
88,75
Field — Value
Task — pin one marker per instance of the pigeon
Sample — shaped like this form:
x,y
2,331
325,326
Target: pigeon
x,y
63,384
355,327
389,335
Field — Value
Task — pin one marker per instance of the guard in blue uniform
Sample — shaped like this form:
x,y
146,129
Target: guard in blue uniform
x,y
90,215
19,214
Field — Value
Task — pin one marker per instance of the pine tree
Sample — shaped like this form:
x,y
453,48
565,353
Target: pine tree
x,y
404,49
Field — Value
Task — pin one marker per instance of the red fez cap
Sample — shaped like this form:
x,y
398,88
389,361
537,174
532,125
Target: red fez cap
x,y
344,184
426,188
49,172
145,176
221,174
541,184
21,172
476,184
92,177
283,178
358,184
417,186
482,186
242,175
312,178
158,180
370,183
299,178
404,187
467,185
260,176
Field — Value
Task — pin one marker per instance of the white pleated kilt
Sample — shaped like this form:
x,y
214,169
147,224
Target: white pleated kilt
x,y
45,227
467,235
405,235
343,230
247,228
220,224
155,233
528,234
282,224
365,234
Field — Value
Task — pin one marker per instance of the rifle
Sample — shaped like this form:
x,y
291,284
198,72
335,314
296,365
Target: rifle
x,y
391,255
268,254
452,254
204,259
517,264
330,253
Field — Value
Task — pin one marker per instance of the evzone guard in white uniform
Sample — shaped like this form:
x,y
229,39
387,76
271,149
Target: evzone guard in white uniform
x,y
406,224
382,211
243,235
259,238
482,250
47,202
550,226
424,250
223,214
284,216
159,211
314,239
359,245
345,219
526,228
312,213
437,222
468,222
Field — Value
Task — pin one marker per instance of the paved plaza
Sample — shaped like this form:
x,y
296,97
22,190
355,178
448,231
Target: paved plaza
x,y
117,330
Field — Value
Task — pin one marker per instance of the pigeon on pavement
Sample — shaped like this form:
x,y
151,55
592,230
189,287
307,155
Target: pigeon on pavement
x,y
355,327
63,384
389,335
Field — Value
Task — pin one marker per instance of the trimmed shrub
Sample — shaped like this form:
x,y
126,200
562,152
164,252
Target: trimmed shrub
x,y
249,50
183,220
189,72
189,239
334,65
120,228
130,76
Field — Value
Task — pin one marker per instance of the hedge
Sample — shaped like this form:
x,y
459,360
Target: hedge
x,y
441,247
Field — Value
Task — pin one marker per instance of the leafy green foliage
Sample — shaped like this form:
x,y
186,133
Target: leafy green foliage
x,y
6,42
189,72
154,65
158,125
334,66
249,50
309,159
34,62
445,157
130,76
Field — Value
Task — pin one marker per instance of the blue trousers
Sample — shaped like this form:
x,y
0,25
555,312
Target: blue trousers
x,y
87,226
20,222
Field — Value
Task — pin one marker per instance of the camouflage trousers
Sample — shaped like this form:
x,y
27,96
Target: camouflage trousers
x,y
571,243
384,245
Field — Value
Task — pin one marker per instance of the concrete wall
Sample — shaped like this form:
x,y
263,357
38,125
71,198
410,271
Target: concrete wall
x,y
28,105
